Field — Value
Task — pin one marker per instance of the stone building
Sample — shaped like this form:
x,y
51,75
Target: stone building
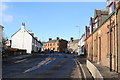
x,y
102,45
73,45
26,40
57,45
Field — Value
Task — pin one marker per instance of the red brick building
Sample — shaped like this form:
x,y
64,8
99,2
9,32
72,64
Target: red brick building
x,y
57,45
103,44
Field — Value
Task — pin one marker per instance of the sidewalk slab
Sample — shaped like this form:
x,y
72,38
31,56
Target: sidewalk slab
x,y
82,61
106,73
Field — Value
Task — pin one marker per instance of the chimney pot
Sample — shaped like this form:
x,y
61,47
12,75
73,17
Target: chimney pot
x,y
50,39
57,38
71,38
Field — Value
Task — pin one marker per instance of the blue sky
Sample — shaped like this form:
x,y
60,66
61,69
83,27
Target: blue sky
x,y
49,19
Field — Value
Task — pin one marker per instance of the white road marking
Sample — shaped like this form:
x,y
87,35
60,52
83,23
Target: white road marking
x,y
20,61
46,61
50,61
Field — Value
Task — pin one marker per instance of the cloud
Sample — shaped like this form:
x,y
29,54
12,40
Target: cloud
x,y
5,17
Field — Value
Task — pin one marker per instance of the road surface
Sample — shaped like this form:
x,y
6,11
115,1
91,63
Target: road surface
x,y
54,65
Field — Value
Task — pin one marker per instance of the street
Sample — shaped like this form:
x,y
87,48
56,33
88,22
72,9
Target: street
x,y
54,65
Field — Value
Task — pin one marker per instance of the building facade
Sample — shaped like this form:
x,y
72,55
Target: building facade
x,y
1,36
81,48
102,45
57,45
73,45
25,40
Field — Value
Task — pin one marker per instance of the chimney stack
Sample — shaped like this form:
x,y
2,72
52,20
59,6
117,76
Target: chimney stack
x,y
71,39
23,26
57,38
50,39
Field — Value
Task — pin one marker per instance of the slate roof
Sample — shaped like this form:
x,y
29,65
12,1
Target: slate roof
x,y
28,33
99,12
52,41
74,41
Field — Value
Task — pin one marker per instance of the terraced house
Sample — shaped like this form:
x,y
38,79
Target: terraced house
x,y
73,45
102,45
26,40
57,45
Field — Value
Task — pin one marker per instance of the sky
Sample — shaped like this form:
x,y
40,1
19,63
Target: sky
x,y
48,19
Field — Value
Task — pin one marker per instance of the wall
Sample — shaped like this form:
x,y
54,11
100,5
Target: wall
x,y
63,45
36,46
51,45
118,40
101,44
89,47
73,45
94,71
22,40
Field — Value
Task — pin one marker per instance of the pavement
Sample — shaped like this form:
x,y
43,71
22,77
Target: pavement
x,y
106,73
86,74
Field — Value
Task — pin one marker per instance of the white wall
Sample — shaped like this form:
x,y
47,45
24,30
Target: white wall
x,y
94,71
36,45
80,44
22,40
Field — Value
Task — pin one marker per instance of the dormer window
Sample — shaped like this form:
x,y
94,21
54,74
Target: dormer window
x,y
111,8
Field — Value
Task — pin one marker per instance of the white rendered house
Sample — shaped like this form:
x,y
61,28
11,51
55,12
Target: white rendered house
x,y
81,45
25,40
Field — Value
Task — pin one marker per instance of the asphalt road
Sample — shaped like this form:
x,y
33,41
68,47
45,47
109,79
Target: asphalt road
x,y
55,65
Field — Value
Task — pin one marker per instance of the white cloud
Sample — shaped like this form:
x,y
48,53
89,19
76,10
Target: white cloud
x,y
4,16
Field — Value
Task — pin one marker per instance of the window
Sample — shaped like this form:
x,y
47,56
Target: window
x,y
82,48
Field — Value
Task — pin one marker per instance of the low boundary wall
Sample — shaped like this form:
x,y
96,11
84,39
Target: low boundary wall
x,y
94,71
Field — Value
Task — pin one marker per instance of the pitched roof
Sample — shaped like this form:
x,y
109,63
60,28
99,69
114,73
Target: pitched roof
x,y
15,32
52,41
28,33
99,12
74,41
